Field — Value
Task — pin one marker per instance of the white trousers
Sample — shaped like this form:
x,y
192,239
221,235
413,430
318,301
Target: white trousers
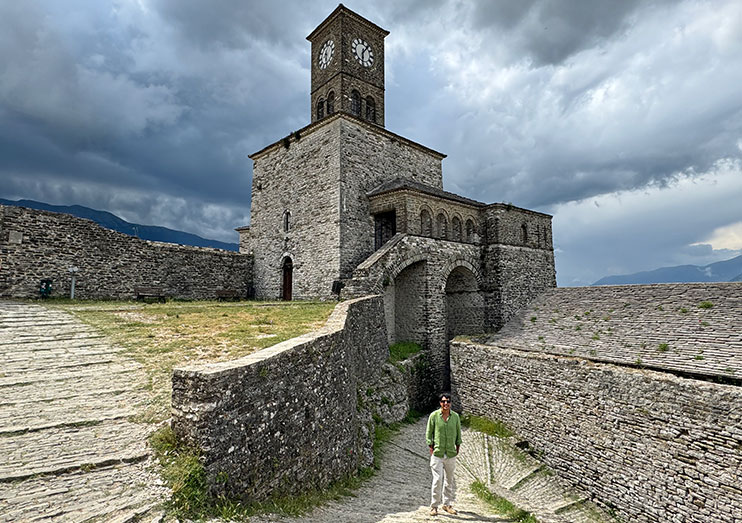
x,y
443,479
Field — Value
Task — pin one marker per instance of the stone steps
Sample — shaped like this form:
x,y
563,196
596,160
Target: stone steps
x,y
67,449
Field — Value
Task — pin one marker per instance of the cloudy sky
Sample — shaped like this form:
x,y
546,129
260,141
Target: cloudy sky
x,y
623,119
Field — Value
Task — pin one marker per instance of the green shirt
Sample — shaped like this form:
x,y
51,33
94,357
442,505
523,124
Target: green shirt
x,y
445,436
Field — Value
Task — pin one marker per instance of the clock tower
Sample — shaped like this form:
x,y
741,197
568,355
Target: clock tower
x,y
348,67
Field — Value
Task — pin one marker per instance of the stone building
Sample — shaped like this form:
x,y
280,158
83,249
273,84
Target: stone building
x,y
344,207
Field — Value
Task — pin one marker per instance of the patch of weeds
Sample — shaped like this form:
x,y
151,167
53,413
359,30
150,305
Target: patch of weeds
x,y
488,426
683,310
578,328
370,391
704,324
592,352
533,319
638,361
699,357
552,320
502,505
659,308
705,305
663,347
403,350
412,416
571,351
587,313
729,370
596,336
540,338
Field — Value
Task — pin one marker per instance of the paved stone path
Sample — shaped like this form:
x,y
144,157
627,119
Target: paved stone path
x,y
68,450
400,490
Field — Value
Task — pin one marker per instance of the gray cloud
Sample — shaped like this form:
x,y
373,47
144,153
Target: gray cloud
x,y
148,109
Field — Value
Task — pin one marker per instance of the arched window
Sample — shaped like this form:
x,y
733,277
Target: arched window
x,y
469,230
370,109
320,109
441,226
355,102
456,229
426,223
524,234
286,221
330,103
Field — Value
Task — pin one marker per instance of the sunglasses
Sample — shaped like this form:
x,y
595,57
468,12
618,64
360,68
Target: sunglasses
x,y
445,401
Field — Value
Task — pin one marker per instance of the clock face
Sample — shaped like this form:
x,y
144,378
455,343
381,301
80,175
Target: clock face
x,y
362,52
325,54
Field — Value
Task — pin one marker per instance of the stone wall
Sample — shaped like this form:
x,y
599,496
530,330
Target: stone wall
x,y
369,157
36,245
297,415
653,446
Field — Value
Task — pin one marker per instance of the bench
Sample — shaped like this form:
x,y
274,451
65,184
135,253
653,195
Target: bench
x,y
149,293
227,295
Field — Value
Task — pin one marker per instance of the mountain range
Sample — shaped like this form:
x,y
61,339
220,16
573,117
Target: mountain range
x,y
727,270
111,221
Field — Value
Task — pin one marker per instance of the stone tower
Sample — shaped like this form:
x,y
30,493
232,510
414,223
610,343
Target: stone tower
x,y
348,67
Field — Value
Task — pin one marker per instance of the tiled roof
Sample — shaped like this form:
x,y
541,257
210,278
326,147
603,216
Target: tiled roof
x,y
401,183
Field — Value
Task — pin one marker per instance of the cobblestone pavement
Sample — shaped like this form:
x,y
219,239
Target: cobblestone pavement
x,y
68,450
400,490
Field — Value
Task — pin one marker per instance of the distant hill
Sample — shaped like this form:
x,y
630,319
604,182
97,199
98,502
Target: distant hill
x,y
727,270
111,221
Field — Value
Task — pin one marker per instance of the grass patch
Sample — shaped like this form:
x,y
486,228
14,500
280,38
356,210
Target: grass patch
x,y
488,426
403,350
705,305
502,505
663,347
164,335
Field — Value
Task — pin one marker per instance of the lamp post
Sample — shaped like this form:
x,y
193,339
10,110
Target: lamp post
x,y
73,270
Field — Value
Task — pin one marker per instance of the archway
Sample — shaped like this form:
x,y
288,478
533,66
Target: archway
x,y
287,271
464,303
404,305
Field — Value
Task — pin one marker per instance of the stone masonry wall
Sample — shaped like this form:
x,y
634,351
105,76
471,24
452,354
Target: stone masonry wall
x,y
37,245
298,415
370,157
653,446
302,180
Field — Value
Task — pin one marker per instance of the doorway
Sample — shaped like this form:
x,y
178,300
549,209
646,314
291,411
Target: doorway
x,y
288,277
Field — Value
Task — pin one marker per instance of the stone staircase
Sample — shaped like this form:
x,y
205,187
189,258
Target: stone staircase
x,y
68,448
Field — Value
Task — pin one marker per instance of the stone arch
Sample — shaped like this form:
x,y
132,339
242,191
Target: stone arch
x,y
355,102
524,233
471,230
456,228
321,109
330,103
426,222
404,291
464,306
441,225
286,220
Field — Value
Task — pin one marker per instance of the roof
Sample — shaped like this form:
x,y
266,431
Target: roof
x,y
347,116
401,184
342,9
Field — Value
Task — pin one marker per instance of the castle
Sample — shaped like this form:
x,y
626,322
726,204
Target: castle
x,y
329,195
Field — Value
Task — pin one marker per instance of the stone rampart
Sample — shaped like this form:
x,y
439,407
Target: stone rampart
x,y
653,446
297,415
36,245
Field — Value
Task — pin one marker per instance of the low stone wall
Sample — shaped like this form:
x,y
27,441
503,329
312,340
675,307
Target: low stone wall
x,y
651,445
297,415
36,245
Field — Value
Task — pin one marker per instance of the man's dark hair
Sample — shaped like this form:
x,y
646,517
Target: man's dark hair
x,y
442,395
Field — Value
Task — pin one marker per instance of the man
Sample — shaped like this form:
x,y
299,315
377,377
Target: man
x,y
443,436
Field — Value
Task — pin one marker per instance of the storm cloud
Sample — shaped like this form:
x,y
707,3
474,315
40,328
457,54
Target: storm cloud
x,y
623,119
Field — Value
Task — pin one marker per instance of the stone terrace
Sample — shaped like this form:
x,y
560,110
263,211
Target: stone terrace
x,y
665,327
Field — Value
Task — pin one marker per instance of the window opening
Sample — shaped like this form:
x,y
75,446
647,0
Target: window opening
x,y
370,109
355,102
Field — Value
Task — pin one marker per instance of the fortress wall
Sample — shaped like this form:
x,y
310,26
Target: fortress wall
x,y
297,415
654,446
36,245
515,276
